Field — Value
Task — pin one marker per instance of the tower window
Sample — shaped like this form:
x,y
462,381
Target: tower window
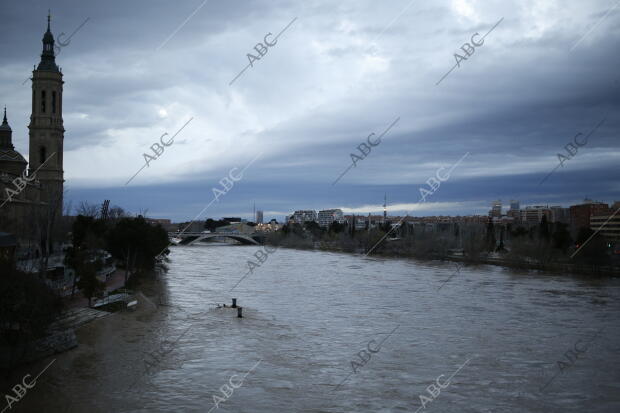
x,y
43,101
42,155
53,101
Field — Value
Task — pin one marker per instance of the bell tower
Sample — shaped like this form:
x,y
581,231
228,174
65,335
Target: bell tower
x,y
46,129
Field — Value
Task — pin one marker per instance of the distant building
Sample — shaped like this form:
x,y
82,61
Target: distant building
x,y
534,214
559,214
504,220
232,220
515,211
328,216
607,225
155,221
360,222
303,216
194,226
496,209
580,214
268,227
259,217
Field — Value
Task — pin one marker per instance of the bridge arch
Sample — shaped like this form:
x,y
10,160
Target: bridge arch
x,y
189,238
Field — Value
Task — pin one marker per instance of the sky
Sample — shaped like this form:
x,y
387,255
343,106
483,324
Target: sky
x,y
528,78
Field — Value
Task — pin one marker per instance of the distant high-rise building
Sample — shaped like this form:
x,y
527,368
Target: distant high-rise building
x,y
580,214
259,217
514,211
496,209
534,214
559,214
328,216
606,225
302,216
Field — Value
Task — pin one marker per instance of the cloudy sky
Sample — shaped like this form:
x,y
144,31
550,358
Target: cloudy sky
x,y
342,70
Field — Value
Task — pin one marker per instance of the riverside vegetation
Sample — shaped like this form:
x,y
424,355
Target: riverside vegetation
x,y
546,246
28,305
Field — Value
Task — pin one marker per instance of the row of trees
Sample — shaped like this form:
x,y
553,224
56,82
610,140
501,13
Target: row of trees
x,y
542,244
28,305
553,243
212,224
132,241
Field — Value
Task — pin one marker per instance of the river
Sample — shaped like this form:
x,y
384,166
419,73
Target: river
x,y
330,332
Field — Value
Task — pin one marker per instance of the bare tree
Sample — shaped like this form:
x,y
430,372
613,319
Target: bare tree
x,y
116,213
87,209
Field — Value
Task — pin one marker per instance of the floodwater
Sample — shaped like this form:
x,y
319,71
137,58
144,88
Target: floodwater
x,y
329,332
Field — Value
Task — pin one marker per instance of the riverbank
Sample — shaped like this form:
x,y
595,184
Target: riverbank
x,y
95,339
61,335
495,259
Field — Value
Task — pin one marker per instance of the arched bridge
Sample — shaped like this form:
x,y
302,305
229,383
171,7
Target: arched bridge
x,y
188,238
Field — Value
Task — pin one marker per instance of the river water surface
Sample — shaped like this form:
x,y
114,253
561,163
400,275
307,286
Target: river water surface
x,y
512,341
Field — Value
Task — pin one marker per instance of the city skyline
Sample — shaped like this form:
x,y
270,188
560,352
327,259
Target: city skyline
x,y
378,210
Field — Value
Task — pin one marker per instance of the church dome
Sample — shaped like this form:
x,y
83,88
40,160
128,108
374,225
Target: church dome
x,y
11,155
10,160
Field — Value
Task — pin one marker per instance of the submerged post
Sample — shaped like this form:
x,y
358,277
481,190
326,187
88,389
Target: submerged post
x,y
234,305
239,310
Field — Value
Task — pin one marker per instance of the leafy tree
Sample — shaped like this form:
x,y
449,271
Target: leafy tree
x,y
501,247
490,239
543,229
518,232
593,250
88,283
561,238
27,307
336,227
136,243
88,234
212,225
386,227
293,228
314,229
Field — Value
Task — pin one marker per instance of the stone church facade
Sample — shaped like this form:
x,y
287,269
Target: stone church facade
x,y
33,191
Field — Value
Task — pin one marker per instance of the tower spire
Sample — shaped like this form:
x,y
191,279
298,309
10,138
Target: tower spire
x,y
385,207
5,134
48,61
